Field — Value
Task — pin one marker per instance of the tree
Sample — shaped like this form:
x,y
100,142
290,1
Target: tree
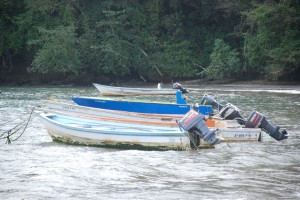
x,y
156,39
59,52
11,38
225,62
272,40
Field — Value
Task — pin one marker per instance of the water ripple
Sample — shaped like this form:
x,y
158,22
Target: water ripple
x,y
34,167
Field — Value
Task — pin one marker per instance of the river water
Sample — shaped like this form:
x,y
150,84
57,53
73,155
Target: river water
x,y
34,167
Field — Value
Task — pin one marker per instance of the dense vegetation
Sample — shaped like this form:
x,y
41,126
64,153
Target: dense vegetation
x,y
149,39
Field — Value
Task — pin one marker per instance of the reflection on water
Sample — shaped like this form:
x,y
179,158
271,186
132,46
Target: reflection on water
x,y
34,167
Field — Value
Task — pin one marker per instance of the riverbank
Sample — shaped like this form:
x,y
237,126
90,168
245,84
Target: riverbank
x,y
138,83
237,82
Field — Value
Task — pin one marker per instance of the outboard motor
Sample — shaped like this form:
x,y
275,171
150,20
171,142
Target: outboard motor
x,y
209,100
194,123
256,119
179,87
230,112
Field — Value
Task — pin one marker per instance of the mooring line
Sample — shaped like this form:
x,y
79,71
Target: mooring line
x,y
26,124
19,127
10,130
192,140
8,140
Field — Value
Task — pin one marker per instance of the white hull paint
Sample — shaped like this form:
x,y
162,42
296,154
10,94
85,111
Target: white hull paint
x,y
76,130
104,135
106,90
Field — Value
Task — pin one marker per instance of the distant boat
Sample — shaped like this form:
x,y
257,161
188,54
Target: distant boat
x,y
76,130
107,90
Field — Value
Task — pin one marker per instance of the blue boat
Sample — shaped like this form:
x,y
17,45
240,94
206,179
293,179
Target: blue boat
x,y
180,108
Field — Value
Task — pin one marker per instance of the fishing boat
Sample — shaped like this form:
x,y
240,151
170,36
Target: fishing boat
x,y
110,115
107,90
82,131
178,108
127,117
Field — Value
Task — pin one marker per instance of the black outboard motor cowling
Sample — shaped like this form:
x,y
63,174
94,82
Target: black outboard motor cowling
x,y
179,87
193,122
230,112
256,119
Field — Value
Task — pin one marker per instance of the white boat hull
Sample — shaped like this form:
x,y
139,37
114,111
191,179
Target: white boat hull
x,y
119,137
93,132
106,90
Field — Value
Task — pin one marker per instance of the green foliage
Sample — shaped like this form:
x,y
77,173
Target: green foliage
x,y
272,40
59,51
11,38
176,60
155,39
224,61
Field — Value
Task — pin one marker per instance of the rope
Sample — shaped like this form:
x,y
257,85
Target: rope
x,y
8,140
222,135
25,125
192,140
189,135
9,131
16,129
228,145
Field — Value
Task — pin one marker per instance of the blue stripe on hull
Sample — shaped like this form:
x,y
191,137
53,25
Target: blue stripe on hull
x,y
141,107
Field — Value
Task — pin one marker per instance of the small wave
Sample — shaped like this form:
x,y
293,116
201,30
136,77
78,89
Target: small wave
x,y
276,91
250,90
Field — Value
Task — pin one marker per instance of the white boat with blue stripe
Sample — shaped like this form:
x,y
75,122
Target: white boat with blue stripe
x,y
83,131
